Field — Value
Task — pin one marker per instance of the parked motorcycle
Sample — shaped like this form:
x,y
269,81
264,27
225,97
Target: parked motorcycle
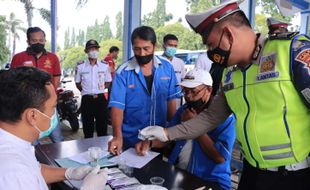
x,y
67,106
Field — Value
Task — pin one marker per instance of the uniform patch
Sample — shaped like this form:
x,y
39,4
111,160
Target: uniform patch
x,y
306,93
267,65
47,64
164,78
304,57
131,86
28,64
227,87
228,76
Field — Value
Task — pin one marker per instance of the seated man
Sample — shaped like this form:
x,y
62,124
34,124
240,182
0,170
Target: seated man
x,y
27,112
209,155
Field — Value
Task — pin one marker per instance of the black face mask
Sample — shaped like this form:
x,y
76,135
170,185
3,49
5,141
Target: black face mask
x,y
142,60
219,55
195,104
37,48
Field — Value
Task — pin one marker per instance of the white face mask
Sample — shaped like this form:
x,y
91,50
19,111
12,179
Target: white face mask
x,y
93,54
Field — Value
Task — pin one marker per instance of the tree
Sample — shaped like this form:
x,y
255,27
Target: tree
x,y
158,17
106,30
46,15
270,8
14,25
80,39
3,35
119,26
28,6
67,39
195,6
73,38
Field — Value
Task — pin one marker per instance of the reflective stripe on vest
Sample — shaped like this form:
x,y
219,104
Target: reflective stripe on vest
x,y
273,124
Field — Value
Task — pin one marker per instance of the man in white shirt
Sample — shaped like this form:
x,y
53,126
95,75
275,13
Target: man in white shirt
x,y
170,44
27,113
92,77
203,62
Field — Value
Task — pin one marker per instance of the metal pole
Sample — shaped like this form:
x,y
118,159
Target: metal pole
x,y
53,25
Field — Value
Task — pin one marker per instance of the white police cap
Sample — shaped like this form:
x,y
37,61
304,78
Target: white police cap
x,y
272,22
200,21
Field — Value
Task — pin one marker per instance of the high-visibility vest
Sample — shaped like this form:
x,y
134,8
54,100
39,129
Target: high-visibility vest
x,y
273,123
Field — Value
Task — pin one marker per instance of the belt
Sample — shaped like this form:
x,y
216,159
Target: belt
x,y
94,95
292,167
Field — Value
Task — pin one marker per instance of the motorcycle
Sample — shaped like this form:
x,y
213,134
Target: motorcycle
x,y
67,106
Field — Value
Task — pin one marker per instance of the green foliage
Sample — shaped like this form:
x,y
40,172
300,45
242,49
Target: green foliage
x,y
158,17
260,24
119,26
106,30
270,8
73,38
195,6
187,38
67,39
80,38
70,57
4,51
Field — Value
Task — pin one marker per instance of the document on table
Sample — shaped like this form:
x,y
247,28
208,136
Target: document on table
x,y
133,159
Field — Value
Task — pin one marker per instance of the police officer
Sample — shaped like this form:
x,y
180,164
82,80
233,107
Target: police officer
x,y
276,26
267,86
92,77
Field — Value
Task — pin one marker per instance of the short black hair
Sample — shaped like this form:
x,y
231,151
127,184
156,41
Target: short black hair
x,y
145,33
170,37
33,30
113,48
22,88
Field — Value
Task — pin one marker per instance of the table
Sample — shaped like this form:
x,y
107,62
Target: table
x,y
174,177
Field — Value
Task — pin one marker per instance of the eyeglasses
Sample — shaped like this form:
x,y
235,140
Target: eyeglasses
x,y
192,91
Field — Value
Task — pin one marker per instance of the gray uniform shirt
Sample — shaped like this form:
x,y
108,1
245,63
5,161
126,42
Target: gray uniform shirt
x,y
207,120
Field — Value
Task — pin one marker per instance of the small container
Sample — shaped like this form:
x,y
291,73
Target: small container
x,y
157,180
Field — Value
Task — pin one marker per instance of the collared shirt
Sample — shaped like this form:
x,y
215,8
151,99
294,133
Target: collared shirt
x,y
92,77
48,62
190,155
19,168
203,62
179,68
141,107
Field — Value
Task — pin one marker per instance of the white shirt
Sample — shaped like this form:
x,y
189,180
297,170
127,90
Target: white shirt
x,y
19,168
179,69
92,77
203,62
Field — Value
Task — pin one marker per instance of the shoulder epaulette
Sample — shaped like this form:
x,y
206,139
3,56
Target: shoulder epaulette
x,y
102,61
283,36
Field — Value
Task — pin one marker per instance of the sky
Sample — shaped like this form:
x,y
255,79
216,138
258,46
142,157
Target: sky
x,y
70,16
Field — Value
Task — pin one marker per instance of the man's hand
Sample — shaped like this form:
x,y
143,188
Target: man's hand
x,y
116,145
78,173
154,132
142,147
95,180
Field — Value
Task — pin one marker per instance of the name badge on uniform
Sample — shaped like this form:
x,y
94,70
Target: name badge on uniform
x,y
228,85
101,80
28,64
267,67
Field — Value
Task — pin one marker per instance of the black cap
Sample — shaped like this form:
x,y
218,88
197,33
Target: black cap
x,y
91,43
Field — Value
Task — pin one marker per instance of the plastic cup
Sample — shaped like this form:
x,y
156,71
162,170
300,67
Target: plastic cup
x,y
157,181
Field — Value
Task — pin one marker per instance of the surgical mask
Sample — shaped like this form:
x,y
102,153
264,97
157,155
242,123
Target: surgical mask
x,y
53,125
195,104
142,60
93,54
219,55
37,48
170,51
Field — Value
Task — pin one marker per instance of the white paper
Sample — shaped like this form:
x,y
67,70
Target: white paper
x,y
133,159
84,157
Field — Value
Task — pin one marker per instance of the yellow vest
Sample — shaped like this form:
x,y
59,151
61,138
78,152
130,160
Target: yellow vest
x,y
273,124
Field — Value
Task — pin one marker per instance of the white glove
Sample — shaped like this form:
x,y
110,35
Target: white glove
x,y
154,132
78,173
95,180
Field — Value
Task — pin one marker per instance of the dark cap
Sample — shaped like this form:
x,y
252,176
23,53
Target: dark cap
x,y
91,43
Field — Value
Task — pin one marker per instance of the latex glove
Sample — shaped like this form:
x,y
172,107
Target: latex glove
x,y
78,173
95,180
154,132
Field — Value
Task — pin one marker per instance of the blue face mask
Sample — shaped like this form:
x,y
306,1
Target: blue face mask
x,y
170,51
53,125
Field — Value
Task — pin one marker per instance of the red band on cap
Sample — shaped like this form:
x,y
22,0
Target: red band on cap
x,y
220,13
279,25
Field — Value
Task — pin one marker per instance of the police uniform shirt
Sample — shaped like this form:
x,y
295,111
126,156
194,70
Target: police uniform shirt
x,y
92,77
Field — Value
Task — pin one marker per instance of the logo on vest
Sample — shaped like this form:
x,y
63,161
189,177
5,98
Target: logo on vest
x,y
267,66
304,57
228,85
